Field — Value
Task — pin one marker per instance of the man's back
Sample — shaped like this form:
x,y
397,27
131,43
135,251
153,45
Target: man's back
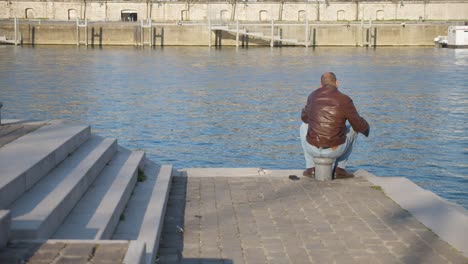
x,y
327,110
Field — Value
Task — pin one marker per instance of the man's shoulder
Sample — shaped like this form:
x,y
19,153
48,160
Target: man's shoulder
x,y
344,97
314,92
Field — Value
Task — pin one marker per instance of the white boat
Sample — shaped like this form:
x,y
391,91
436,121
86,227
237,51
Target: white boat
x,y
441,41
457,37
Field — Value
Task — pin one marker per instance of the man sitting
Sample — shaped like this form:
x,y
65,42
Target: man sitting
x,y
324,132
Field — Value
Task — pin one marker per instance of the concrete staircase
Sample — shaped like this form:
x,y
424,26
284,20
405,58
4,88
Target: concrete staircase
x,y
61,182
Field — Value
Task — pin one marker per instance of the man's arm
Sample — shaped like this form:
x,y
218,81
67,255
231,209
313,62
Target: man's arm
x,y
304,116
358,123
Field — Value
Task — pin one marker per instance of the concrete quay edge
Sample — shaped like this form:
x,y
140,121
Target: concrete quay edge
x,y
447,220
234,172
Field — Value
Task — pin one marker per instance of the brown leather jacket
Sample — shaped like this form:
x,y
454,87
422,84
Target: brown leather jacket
x,y
326,112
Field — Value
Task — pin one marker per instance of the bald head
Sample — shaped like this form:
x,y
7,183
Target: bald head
x,y
328,78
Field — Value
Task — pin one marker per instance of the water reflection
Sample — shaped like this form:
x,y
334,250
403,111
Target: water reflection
x,y
461,57
201,107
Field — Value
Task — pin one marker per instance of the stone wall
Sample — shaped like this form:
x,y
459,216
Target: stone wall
x,y
244,11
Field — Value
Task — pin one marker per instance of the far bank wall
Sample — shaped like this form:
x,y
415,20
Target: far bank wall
x,y
319,34
244,11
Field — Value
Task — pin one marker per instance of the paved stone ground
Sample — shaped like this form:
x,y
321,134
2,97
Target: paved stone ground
x,y
10,132
63,253
278,220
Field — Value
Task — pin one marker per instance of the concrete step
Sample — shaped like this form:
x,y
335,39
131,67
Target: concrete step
x,y
13,134
41,210
97,214
144,215
5,221
40,151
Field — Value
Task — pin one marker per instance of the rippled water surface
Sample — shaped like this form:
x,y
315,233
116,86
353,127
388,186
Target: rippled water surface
x,y
202,107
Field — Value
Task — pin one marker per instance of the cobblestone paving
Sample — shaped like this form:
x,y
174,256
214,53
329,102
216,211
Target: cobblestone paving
x,y
63,253
277,220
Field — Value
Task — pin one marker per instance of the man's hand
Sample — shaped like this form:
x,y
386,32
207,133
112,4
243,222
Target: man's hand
x,y
366,133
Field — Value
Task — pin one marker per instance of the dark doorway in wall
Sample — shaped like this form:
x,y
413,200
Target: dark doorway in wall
x,y
129,15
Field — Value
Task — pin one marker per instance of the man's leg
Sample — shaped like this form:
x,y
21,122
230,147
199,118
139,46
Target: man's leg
x,y
305,146
351,137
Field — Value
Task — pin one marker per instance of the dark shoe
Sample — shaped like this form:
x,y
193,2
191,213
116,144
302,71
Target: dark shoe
x,y
342,174
310,172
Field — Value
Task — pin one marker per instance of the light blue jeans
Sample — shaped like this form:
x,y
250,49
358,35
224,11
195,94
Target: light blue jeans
x,y
340,154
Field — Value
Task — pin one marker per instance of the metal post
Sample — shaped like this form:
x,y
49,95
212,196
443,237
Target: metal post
x,y
323,169
77,32
141,33
151,34
86,30
209,31
375,37
362,35
237,33
16,30
272,42
307,33
367,37
314,37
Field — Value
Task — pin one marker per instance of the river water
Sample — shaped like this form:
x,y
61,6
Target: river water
x,y
202,107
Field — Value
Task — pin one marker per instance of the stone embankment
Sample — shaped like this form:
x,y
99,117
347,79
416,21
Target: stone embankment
x,y
69,196
312,34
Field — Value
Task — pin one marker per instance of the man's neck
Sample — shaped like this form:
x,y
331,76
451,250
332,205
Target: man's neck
x,y
329,86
